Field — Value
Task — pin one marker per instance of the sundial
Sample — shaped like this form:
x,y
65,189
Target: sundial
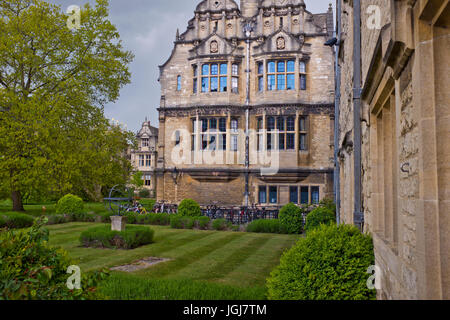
x,y
119,200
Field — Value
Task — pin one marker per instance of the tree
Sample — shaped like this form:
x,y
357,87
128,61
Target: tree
x,y
136,180
54,83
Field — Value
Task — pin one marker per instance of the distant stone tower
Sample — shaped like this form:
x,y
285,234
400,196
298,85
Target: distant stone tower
x,y
249,8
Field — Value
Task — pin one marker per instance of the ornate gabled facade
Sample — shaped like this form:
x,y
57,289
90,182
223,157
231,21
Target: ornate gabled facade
x,y
259,70
144,158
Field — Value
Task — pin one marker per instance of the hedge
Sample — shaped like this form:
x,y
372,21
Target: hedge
x,y
266,226
329,264
104,237
221,225
15,220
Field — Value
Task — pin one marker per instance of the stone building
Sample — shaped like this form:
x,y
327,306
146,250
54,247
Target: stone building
x,y
246,113
405,122
144,158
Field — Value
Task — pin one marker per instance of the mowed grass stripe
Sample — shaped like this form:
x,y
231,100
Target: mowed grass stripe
x,y
111,258
170,268
257,267
221,262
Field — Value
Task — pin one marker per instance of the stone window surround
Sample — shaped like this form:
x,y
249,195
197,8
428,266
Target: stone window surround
x,y
231,76
262,133
221,136
301,69
299,191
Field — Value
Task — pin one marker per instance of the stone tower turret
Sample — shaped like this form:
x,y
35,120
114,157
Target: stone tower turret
x,y
249,8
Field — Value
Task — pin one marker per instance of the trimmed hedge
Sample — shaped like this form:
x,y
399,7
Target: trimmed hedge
x,y
291,219
104,237
181,222
15,220
329,264
321,215
70,204
266,226
221,225
190,208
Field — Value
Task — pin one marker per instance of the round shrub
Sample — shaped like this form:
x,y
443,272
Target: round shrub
x,y
104,237
70,204
291,219
329,204
15,220
329,264
190,208
319,216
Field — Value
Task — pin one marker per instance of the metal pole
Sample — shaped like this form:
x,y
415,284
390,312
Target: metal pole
x,y
248,30
337,169
358,214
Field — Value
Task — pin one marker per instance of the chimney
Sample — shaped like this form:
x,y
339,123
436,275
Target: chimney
x,y
249,8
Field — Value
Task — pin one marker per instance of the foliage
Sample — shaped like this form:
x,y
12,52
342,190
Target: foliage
x,y
221,225
291,218
15,220
319,216
329,204
266,226
104,237
58,219
189,207
129,287
148,204
136,180
144,193
329,264
31,269
54,83
178,221
70,204
202,222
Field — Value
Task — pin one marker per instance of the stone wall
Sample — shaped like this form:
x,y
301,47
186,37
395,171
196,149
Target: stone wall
x,y
405,202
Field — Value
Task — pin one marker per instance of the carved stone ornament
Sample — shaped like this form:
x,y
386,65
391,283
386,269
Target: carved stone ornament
x,y
214,46
281,43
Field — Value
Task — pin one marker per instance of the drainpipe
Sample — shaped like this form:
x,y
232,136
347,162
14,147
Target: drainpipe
x,y
358,215
337,169
248,28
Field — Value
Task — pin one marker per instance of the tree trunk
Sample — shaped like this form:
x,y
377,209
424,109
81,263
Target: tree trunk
x,y
17,201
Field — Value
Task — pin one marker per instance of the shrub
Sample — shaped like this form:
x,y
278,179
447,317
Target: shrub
x,y
202,222
132,217
329,204
70,204
104,237
31,269
180,222
105,217
266,226
291,219
329,264
190,208
16,220
319,216
221,225
148,204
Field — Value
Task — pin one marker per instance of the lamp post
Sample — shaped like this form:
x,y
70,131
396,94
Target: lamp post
x,y
175,174
248,29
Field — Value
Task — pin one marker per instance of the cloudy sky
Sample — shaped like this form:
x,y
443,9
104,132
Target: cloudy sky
x,y
148,28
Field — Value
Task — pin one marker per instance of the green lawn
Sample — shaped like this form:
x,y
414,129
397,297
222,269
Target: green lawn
x,y
225,260
36,209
